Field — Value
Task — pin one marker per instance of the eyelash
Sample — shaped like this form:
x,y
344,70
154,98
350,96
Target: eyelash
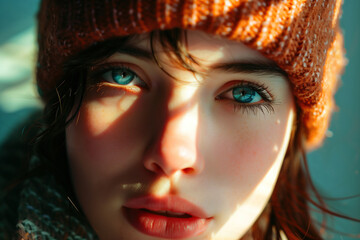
x,y
265,107
261,89
96,76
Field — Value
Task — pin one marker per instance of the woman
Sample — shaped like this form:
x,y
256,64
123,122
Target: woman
x,y
180,119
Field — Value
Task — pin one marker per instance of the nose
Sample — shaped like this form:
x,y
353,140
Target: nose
x,y
176,148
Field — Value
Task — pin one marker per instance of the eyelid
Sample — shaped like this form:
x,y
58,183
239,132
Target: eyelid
x,y
260,89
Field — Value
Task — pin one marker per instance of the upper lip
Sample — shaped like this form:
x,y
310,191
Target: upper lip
x,y
166,203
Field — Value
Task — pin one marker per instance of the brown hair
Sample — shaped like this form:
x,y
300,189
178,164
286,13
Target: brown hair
x,y
289,211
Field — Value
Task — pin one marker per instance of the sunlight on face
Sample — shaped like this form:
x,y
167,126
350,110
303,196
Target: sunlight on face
x,y
195,157
251,206
110,109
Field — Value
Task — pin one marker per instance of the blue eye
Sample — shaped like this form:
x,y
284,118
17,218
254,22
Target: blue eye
x,y
246,95
122,76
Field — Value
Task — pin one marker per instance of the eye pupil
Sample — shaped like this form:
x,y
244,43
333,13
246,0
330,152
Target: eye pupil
x,y
122,77
244,94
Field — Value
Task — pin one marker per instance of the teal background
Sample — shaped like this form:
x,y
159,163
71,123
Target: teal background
x,y
335,167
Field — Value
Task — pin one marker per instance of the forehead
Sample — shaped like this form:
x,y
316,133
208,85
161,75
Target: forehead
x,y
212,47
207,48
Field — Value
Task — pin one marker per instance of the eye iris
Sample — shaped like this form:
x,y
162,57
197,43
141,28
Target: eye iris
x,y
122,77
244,94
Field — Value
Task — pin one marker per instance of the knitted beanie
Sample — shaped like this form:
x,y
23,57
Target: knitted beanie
x,y
301,36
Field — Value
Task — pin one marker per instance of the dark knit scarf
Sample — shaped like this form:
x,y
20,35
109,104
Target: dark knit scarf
x,y
38,208
45,212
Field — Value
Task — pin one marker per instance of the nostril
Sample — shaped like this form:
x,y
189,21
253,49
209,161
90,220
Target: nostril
x,y
162,167
188,170
156,168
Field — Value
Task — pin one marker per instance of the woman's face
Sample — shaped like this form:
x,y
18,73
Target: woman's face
x,y
195,157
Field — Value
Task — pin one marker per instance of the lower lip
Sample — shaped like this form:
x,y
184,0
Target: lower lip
x,y
165,227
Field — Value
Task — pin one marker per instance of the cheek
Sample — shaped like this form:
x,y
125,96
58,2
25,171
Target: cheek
x,y
91,136
104,139
103,109
244,157
244,149
103,144
254,145
103,123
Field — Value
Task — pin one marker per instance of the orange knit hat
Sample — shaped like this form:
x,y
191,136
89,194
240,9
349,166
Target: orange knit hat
x,y
301,36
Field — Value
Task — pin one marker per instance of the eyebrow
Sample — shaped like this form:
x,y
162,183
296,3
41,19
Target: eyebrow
x,y
135,52
251,66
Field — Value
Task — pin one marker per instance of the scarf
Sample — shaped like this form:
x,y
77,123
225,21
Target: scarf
x,y
45,212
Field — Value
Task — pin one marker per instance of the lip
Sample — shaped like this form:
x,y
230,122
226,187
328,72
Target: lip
x,y
141,214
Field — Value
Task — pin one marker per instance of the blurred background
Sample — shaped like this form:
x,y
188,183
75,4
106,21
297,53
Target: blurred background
x,y
335,168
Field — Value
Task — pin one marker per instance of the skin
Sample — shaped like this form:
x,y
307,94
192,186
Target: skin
x,y
177,137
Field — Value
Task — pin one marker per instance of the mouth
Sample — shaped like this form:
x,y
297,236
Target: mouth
x,y
166,217
168,213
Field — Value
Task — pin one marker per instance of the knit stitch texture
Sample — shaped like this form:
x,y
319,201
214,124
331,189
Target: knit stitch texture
x,y
45,213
